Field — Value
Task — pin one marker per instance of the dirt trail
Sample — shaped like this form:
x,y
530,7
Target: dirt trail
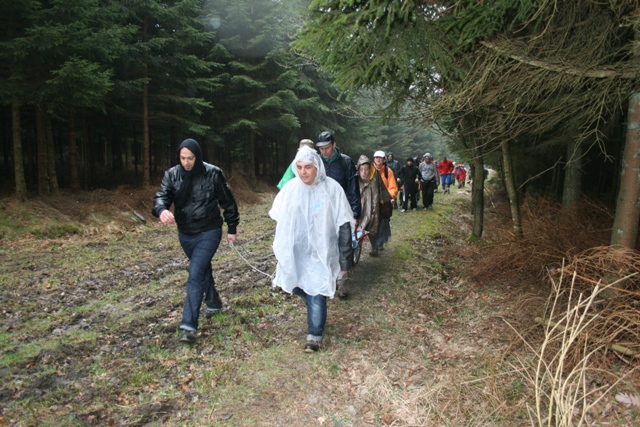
x,y
88,335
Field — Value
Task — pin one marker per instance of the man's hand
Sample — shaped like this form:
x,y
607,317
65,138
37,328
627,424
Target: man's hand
x,y
232,238
166,217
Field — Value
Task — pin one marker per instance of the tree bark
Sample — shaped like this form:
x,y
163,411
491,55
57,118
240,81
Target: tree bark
x,y
41,144
477,192
18,164
625,223
250,151
51,156
512,193
572,175
146,174
74,165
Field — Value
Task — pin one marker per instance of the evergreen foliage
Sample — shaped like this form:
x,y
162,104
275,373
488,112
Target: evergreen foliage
x,y
122,83
533,74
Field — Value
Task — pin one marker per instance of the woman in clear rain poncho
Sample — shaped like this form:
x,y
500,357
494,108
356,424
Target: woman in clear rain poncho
x,y
370,189
313,239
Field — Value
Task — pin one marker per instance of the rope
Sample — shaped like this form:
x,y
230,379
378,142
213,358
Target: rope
x,y
270,276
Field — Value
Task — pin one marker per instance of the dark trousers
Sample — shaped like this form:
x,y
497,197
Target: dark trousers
x,y
409,197
200,249
427,192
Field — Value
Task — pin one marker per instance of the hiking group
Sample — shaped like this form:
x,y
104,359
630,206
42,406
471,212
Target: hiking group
x,y
324,200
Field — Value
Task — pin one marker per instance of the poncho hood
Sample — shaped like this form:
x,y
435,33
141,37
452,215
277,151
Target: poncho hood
x,y
362,161
308,155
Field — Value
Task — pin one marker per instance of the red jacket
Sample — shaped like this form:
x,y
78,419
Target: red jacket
x,y
445,167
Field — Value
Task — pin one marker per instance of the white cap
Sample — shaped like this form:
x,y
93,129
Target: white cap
x,y
379,153
427,155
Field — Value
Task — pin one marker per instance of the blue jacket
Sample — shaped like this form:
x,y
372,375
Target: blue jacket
x,y
342,169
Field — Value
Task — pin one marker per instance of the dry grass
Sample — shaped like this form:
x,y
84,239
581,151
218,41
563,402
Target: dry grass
x,y
584,296
568,372
100,213
552,234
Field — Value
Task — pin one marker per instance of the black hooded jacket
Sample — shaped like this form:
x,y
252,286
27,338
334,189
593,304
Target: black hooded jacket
x,y
207,191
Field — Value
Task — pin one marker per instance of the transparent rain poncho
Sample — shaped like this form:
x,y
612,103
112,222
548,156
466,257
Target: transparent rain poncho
x,y
306,241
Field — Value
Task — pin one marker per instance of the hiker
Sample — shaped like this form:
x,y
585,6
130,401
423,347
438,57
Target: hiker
x,y
197,190
341,168
409,176
289,174
445,170
429,180
391,186
460,174
312,243
394,165
371,189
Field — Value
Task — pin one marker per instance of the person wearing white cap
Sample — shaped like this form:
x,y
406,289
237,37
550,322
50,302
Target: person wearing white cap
x,y
389,180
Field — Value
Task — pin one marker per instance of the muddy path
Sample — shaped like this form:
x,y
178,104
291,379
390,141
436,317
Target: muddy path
x,y
89,334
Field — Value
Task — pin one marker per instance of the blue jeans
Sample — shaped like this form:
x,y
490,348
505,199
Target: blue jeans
x,y
200,249
316,313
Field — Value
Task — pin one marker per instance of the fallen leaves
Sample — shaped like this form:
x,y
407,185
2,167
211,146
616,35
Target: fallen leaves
x,y
629,399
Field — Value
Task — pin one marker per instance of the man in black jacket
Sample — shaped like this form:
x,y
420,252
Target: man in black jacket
x,y
197,190
341,168
409,176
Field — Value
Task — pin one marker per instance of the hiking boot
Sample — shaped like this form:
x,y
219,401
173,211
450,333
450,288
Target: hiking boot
x,y
213,308
374,252
311,347
403,210
341,287
188,337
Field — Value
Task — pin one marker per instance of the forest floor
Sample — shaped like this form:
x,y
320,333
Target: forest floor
x,y
91,299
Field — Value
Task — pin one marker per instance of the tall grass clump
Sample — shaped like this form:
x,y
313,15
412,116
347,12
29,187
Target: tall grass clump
x,y
590,326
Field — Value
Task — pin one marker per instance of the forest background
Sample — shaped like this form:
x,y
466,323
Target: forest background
x,y
99,93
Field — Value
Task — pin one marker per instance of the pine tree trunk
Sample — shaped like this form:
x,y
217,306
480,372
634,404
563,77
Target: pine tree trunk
x,y
18,164
41,141
625,223
572,177
250,151
51,155
146,174
477,192
555,177
512,193
74,166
